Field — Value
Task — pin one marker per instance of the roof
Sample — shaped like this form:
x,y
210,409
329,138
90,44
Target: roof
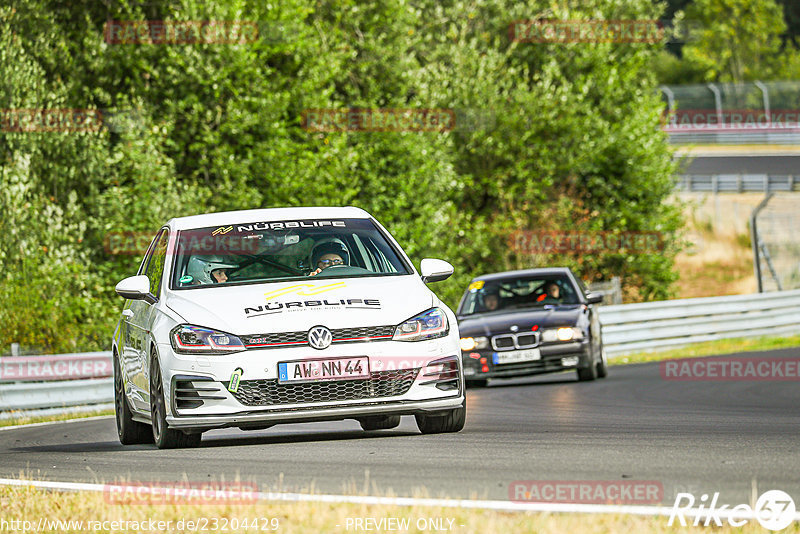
x,y
547,271
268,214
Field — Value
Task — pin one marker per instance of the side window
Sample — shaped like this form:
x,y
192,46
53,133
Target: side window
x,y
148,254
158,258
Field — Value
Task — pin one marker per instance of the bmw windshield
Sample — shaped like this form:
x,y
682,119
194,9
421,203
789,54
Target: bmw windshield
x,y
518,293
271,251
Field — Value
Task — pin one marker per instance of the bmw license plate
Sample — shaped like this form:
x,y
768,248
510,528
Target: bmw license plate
x,y
516,356
328,369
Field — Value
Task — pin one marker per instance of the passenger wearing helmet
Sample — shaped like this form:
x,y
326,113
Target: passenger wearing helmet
x,y
329,254
209,269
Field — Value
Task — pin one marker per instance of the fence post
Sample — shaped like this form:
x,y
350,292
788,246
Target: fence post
x,y
754,240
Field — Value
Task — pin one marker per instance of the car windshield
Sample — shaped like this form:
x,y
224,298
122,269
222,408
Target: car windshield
x,y
268,251
505,294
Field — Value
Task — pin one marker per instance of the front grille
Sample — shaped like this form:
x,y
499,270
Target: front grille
x,y
503,342
346,334
270,393
522,340
527,340
280,338
340,335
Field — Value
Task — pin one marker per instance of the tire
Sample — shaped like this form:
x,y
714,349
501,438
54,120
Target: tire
x,y
602,365
480,383
587,374
438,424
163,436
379,422
130,432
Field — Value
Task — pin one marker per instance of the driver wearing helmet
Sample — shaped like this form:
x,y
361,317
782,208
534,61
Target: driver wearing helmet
x,y
329,254
209,269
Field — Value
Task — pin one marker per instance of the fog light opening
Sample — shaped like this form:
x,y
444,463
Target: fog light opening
x,y
570,361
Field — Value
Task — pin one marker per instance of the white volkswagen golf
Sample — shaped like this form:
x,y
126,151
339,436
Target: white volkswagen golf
x,y
251,318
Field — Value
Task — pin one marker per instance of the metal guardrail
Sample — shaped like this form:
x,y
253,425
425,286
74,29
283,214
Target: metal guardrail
x,y
60,381
55,394
739,183
735,138
627,328
667,324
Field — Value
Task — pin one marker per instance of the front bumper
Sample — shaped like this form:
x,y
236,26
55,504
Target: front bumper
x,y
196,387
335,413
555,357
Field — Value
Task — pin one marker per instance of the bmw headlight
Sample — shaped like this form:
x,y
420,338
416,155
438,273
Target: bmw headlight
x,y
189,339
474,343
565,333
427,325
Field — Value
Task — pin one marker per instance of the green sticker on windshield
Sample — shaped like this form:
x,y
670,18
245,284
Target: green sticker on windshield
x,y
185,279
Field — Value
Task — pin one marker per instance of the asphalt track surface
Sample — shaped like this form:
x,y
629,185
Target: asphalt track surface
x,y
689,436
742,164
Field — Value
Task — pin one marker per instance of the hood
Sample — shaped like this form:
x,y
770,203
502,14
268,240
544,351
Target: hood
x,y
488,324
298,305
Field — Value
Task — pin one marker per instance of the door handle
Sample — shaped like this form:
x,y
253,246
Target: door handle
x,y
128,313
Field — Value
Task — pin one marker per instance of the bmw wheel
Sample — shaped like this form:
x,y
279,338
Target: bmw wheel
x,y
602,365
588,371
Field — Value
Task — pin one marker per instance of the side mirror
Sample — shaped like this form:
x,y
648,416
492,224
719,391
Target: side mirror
x,y
594,298
433,270
135,288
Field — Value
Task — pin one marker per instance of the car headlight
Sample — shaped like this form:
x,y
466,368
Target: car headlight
x,y
189,339
427,325
565,333
474,343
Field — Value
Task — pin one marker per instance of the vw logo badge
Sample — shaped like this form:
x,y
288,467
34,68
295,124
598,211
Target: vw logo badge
x,y
320,337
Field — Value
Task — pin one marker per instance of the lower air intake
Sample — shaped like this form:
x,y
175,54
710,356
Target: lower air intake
x,y
271,393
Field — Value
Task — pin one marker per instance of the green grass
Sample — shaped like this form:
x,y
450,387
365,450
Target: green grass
x,y
26,420
31,504
710,348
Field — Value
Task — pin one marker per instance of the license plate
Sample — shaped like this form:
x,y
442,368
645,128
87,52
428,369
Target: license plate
x,y
328,369
516,356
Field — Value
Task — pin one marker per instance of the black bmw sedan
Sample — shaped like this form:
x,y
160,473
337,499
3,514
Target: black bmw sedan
x,y
529,322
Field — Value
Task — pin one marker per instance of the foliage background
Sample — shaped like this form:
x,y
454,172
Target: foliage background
x,y
550,137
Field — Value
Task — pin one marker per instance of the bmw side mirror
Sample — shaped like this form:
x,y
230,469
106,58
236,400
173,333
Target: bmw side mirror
x,y
433,270
135,288
594,298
